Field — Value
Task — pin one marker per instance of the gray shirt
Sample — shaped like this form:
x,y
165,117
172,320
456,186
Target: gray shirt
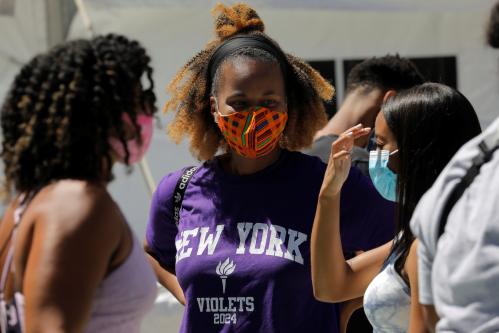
x,y
459,273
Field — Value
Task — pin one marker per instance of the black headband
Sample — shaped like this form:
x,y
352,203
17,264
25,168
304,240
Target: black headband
x,y
242,41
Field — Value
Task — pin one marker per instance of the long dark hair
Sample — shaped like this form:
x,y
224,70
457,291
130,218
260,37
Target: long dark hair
x,y
430,123
64,105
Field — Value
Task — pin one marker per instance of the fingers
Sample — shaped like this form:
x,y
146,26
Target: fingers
x,y
347,138
363,132
344,142
355,128
357,131
342,155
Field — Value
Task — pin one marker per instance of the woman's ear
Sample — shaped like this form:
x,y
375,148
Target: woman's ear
x,y
213,109
389,94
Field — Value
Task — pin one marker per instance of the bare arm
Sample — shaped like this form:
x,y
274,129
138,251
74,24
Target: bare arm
x,y
71,249
333,278
416,322
166,278
430,317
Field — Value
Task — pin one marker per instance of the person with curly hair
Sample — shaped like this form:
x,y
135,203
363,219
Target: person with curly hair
x,y
69,260
230,239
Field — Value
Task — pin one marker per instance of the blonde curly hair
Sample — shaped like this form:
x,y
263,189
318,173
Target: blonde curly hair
x,y
190,90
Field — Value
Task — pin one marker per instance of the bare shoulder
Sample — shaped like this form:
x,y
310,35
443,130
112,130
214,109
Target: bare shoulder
x,y
413,251
71,206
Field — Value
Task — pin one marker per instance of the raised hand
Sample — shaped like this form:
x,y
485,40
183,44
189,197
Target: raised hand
x,y
340,160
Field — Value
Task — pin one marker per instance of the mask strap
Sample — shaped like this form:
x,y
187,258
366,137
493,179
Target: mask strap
x,y
393,152
217,110
216,104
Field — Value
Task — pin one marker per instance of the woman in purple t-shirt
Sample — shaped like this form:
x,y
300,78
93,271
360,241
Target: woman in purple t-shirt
x,y
239,257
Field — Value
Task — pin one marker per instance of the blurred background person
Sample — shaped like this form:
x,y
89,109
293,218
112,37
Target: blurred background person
x,y
368,85
69,261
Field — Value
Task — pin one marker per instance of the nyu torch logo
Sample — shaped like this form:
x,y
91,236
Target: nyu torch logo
x,y
224,269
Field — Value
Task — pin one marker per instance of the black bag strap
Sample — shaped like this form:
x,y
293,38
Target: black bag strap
x,y
484,156
178,194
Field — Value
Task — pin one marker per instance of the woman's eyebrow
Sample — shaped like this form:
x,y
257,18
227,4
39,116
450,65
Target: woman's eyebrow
x,y
237,94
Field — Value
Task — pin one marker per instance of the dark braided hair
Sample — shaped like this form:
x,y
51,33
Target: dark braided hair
x,y
65,104
191,88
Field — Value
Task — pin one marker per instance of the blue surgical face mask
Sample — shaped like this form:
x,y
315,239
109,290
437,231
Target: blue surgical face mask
x,y
384,179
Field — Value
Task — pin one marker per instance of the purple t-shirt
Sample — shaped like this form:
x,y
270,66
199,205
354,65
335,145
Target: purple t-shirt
x,y
242,249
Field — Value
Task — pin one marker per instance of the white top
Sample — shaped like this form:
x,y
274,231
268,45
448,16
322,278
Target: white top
x,y
460,274
387,301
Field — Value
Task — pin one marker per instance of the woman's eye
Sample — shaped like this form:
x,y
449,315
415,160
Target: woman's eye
x,y
238,105
270,103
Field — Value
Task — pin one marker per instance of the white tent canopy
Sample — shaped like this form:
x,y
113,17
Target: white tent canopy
x,y
360,5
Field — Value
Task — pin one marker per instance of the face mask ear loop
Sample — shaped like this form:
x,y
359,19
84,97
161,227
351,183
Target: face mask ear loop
x,y
216,106
377,153
393,152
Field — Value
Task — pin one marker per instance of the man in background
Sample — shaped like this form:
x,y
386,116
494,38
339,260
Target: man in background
x,y
369,84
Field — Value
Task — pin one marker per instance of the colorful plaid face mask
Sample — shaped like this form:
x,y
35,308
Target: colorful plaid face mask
x,y
254,132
